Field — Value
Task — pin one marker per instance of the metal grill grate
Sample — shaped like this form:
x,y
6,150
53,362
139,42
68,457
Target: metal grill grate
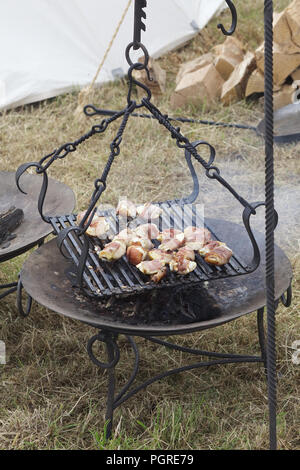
x,y
103,279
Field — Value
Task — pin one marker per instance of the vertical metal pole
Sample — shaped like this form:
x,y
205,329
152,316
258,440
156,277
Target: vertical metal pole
x,y
110,392
269,194
261,336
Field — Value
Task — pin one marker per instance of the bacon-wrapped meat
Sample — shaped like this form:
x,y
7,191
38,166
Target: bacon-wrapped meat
x,y
157,277
113,251
145,243
186,252
193,234
169,233
151,267
126,235
181,265
126,208
146,231
97,228
195,246
149,211
171,245
218,256
209,247
160,255
136,254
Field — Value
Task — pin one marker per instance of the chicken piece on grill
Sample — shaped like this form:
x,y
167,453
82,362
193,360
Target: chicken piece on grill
x,y
169,233
149,211
195,246
97,228
146,231
136,254
145,243
113,251
218,256
186,252
126,208
160,255
159,275
196,234
171,245
151,267
181,265
126,235
209,247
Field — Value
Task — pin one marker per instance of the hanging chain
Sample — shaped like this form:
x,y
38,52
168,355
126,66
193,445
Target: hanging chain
x,y
70,147
100,183
212,172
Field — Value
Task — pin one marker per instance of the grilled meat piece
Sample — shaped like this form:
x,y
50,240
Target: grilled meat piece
x,y
136,254
126,208
181,265
146,243
196,234
159,275
160,255
149,211
125,236
171,245
218,256
150,267
169,233
186,252
209,247
146,231
113,251
97,228
195,246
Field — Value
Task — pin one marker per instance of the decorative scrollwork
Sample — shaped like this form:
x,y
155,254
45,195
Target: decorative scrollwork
x,y
39,169
22,312
286,299
108,339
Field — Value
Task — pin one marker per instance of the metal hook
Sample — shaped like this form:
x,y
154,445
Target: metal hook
x,y
139,25
234,20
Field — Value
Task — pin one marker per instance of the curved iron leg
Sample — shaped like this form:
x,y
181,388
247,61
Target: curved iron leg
x,y
19,288
12,287
23,313
286,299
111,392
113,356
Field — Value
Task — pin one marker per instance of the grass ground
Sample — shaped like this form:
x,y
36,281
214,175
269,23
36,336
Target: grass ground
x,y
52,396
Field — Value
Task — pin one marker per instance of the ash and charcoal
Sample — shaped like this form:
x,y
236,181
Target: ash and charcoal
x,y
10,219
163,307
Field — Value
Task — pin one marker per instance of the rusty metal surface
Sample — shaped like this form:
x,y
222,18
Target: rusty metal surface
x,y
60,200
45,276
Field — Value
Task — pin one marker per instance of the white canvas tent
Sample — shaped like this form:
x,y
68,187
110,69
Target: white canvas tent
x,y
48,47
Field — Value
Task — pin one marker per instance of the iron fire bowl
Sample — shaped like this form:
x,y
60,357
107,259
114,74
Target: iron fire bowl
x,y
46,276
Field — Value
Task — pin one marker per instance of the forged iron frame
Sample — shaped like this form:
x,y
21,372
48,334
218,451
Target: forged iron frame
x,y
109,338
211,170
